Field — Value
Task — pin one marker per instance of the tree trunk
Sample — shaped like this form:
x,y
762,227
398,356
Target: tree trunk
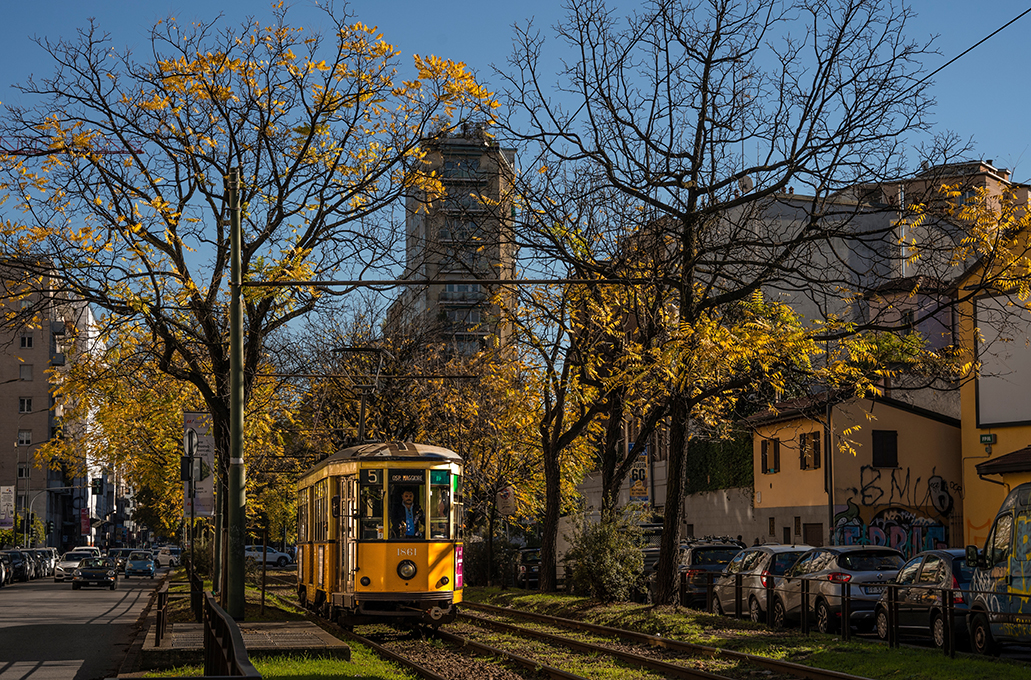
x,y
549,531
667,578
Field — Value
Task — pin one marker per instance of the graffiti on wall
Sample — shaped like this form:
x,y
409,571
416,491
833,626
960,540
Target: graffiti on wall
x,y
892,508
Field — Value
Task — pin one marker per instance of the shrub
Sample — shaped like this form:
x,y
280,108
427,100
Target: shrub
x,y
474,562
605,561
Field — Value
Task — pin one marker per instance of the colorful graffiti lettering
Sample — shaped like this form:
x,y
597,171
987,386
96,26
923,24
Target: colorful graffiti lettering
x,y
897,528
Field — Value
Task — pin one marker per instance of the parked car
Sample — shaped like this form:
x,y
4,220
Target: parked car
x,y
999,610
272,556
528,568
21,568
919,585
758,567
44,561
866,568
99,571
170,555
700,565
88,548
5,569
140,563
69,562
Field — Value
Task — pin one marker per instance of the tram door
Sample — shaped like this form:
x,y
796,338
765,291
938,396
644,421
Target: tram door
x,y
348,539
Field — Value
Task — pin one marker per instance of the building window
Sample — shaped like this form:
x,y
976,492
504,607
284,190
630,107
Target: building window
x,y
24,404
885,448
26,340
25,372
24,437
23,470
809,451
770,456
773,526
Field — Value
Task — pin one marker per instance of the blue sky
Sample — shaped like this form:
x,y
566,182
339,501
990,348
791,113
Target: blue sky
x,y
981,97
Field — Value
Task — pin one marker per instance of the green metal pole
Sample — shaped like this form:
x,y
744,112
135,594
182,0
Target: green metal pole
x,y
237,498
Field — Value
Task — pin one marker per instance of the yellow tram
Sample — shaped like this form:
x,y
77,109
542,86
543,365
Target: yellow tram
x,y
380,534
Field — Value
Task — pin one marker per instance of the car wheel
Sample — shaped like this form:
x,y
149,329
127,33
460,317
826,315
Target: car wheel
x,y
717,608
281,563
113,586
754,612
881,623
152,576
981,641
824,622
938,630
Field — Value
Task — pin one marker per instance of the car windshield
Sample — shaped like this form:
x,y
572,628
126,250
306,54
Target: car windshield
x,y
783,561
76,557
94,563
531,556
714,555
869,561
139,556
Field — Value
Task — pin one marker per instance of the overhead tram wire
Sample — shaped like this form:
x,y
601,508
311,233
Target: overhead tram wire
x,y
391,283
973,47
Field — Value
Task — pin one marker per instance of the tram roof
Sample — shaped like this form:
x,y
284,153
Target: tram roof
x,y
390,451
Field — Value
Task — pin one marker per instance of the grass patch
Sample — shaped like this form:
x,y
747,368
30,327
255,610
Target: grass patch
x,y
364,665
820,651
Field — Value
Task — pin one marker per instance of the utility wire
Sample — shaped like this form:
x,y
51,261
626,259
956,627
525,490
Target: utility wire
x,y
973,47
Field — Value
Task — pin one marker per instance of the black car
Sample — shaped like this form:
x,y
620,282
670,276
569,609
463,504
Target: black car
x,y
700,565
100,571
20,566
528,568
918,587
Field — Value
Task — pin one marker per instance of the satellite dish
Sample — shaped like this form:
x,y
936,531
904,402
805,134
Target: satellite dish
x,y
745,184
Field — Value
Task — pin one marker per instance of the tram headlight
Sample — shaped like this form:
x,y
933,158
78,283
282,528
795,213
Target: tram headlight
x,y
406,570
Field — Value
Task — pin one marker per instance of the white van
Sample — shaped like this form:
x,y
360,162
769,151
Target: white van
x,y
1000,590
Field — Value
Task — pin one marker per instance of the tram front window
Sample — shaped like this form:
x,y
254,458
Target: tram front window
x,y
371,504
407,499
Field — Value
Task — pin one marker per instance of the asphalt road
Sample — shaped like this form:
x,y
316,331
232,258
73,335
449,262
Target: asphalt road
x,y
50,632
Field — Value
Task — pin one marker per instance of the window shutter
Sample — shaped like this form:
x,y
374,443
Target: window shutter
x,y
776,455
815,436
764,468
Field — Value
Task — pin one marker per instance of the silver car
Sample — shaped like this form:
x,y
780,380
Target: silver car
x,y
759,568
826,571
68,563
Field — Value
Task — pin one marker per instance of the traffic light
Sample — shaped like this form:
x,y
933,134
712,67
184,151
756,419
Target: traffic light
x,y
50,527
97,486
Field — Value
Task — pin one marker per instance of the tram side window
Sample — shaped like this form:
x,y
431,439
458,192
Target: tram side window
x,y
407,504
320,527
440,504
370,504
458,507
302,516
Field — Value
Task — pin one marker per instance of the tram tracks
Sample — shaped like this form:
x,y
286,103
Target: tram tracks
x,y
550,647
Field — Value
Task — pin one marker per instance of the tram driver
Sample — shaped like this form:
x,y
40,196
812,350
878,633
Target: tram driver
x,y
409,520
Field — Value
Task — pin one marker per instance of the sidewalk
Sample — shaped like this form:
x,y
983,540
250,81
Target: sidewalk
x,y
183,643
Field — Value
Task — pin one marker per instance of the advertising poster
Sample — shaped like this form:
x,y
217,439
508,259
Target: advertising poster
x,y
84,523
639,479
6,507
199,446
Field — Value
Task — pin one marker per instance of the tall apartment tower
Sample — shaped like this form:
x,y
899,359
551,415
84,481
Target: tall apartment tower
x,y
35,337
466,233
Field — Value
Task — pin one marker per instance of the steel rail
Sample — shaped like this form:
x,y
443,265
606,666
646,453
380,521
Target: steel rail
x,y
669,670
420,671
525,662
788,667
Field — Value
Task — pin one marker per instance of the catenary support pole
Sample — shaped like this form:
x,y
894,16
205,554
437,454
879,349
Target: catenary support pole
x,y
237,499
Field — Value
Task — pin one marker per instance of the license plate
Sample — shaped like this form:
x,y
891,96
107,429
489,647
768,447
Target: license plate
x,y
874,590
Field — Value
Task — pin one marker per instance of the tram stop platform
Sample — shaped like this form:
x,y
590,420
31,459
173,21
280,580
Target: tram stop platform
x,y
183,643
